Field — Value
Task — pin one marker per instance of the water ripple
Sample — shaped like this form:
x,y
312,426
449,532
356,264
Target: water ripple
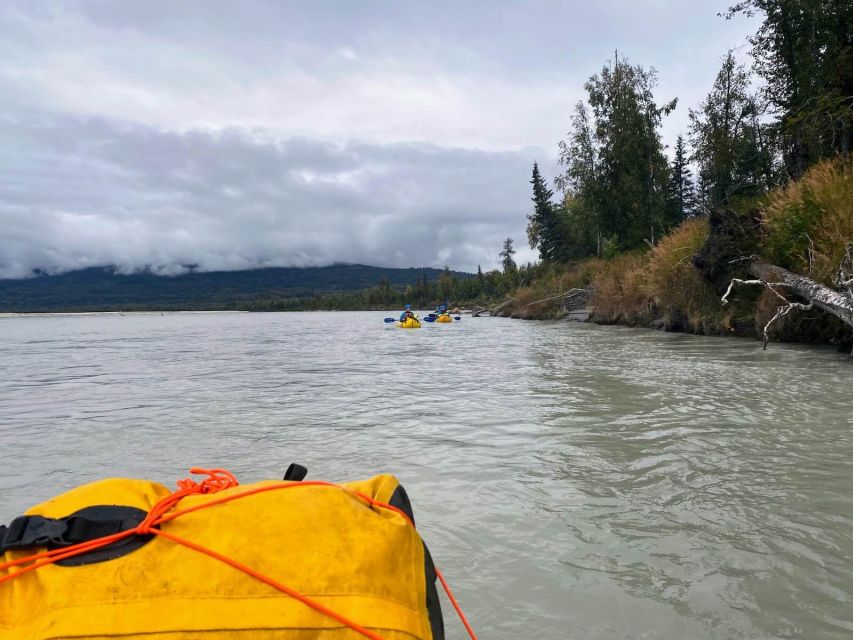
x,y
570,479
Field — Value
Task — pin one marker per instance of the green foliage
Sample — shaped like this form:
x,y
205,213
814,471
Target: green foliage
x,y
506,255
730,143
543,225
632,170
609,248
681,194
578,228
804,53
578,155
614,167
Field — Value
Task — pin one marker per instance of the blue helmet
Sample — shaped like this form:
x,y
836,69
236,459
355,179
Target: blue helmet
x,y
408,306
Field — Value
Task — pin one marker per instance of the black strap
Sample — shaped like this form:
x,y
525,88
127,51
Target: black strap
x,y
295,472
37,531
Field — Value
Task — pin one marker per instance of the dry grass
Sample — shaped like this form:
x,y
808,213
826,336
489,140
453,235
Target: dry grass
x,y
661,287
682,298
636,289
620,291
808,223
560,279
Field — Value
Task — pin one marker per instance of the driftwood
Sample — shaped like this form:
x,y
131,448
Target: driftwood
x,y
571,299
569,295
837,303
479,311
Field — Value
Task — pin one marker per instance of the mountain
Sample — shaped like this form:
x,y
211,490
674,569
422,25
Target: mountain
x,y
103,289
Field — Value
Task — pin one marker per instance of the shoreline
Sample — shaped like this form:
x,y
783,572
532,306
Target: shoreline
x,y
62,314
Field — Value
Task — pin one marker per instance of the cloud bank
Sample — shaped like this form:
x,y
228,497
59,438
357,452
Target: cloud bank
x,y
80,193
232,135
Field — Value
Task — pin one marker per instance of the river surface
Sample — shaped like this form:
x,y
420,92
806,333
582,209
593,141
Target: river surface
x,y
572,481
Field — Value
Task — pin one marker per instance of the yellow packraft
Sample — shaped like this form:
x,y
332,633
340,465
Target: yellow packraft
x,y
408,323
365,562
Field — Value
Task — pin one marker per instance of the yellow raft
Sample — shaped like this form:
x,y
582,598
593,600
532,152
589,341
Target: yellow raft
x,y
334,545
444,318
410,323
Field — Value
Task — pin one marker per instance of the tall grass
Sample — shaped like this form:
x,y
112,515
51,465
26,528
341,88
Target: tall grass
x,y
530,302
681,297
660,287
808,223
620,291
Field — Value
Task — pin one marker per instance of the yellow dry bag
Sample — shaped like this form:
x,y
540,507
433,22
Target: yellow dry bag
x,y
274,560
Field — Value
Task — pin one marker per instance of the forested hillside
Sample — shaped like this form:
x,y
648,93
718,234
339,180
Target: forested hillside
x,y
98,289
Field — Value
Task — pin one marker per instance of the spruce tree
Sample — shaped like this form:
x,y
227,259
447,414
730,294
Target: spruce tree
x,y
682,191
543,228
506,254
728,139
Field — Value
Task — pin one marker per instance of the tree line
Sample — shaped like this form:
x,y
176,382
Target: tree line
x,y
424,293
618,191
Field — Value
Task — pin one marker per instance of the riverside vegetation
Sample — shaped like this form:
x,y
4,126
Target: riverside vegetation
x,y
774,188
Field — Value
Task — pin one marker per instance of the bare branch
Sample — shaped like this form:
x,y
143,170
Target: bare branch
x,y
780,312
748,258
810,253
725,298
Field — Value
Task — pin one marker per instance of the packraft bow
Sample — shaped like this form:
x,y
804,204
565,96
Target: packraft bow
x,y
287,559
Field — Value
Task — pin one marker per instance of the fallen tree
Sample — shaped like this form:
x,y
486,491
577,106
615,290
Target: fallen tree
x,y
479,311
837,302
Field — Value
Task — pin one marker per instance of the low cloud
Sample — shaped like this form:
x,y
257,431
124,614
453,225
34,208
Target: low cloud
x,y
82,192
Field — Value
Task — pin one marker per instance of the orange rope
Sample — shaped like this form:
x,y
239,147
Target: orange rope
x,y
455,604
218,480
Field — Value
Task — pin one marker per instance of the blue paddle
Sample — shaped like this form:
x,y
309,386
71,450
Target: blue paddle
x,y
428,319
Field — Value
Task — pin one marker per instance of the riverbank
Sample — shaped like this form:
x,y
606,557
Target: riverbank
x,y
105,313
680,283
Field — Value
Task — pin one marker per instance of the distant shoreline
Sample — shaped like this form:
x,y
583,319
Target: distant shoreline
x,y
59,314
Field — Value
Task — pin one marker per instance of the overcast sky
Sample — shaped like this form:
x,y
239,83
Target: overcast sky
x,y
238,134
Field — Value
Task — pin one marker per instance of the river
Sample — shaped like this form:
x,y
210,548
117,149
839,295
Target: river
x,y
571,480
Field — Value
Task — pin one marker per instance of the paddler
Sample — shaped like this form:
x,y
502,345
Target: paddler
x,y
407,313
